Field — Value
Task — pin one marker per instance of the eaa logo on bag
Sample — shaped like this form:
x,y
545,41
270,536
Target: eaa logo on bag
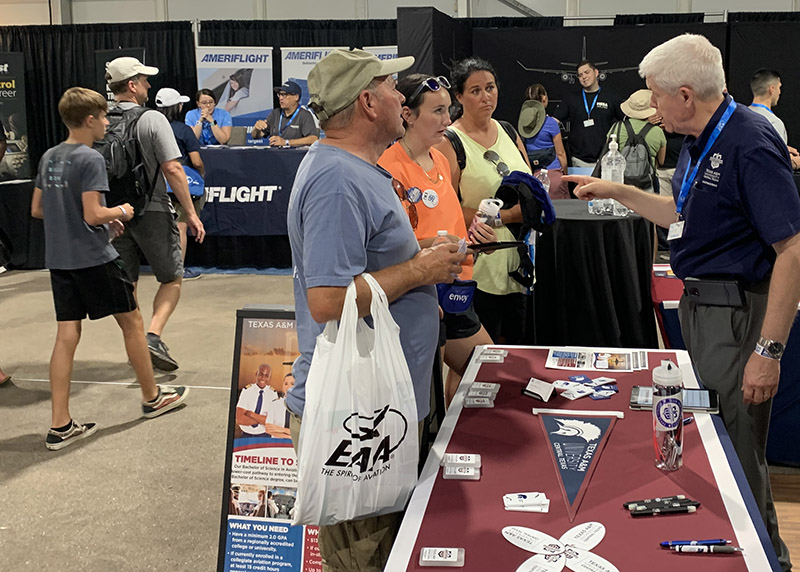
x,y
375,444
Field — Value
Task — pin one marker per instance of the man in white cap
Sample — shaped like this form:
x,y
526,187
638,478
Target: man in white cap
x,y
345,219
156,233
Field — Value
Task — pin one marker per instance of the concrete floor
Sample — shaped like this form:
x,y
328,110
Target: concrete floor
x,y
140,494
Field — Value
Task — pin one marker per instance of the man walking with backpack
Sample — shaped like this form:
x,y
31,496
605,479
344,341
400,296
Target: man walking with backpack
x,y
155,233
643,144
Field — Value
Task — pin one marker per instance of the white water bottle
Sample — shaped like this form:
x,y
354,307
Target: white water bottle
x,y
612,168
488,211
441,238
544,178
668,416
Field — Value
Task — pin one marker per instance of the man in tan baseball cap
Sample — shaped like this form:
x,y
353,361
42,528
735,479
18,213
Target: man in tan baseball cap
x,y
336,81
344,219
126,67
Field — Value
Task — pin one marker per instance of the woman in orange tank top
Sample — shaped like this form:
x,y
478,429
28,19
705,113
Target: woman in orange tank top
x,y
423,182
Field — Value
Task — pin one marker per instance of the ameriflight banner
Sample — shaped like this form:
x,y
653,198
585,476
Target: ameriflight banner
x,y
297,62
241,79
576,443
248,189
261,464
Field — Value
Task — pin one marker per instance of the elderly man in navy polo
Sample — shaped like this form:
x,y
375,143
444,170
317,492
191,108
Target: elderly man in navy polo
x,y
734,221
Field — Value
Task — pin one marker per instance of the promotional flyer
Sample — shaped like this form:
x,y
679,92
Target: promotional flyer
x,y
261,465
14,163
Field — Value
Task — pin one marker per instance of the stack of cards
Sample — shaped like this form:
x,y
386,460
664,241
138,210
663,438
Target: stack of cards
x,y
462,466
526,502
580,386
492,355
481,394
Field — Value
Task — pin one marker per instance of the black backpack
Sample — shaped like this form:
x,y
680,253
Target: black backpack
x,y
639,170
127,177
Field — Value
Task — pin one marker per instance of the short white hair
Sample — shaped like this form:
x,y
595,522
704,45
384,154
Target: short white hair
x,y
689,60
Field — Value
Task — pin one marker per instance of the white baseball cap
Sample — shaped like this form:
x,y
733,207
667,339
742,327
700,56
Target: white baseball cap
x,y
125,68
167,97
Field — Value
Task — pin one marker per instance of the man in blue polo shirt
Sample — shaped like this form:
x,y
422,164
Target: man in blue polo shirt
x,y
345,219
734,215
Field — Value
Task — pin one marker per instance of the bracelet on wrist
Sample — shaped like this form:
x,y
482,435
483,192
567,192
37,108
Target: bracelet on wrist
x,y
124,212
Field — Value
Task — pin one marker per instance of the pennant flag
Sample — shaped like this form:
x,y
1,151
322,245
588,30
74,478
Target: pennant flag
x,y
575,446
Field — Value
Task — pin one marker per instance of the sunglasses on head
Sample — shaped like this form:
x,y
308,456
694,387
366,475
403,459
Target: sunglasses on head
x,y
502,168
432,83
406,196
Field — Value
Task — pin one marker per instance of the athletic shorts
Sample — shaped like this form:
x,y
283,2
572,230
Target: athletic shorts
x,y
97,292
461,325
156,236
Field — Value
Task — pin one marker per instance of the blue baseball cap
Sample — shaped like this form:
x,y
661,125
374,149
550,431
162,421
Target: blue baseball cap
x,y
289,87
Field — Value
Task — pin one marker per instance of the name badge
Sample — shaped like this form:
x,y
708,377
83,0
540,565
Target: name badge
x,y
588,123
675,230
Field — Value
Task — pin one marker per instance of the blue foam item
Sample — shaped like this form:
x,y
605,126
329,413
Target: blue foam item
x,y
597,396
579,378
610,387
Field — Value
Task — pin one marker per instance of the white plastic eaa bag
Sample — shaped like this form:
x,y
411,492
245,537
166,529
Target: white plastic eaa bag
x,y
359,447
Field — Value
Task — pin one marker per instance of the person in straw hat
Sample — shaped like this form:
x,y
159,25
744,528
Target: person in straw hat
x,y
637,110
541,134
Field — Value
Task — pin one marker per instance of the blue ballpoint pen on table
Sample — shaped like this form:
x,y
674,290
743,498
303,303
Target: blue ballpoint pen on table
x,y
709,542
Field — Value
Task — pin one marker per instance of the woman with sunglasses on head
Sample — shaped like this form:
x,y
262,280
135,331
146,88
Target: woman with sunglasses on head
x,y
422,181
490,155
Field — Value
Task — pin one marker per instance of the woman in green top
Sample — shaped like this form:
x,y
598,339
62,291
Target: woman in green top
x,y
490,155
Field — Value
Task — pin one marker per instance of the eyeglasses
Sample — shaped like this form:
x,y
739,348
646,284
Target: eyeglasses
x,y
502,168
411,196
211,102
432,83
284,94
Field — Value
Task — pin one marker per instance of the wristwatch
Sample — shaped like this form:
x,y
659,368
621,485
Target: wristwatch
x,y
771,349
213,122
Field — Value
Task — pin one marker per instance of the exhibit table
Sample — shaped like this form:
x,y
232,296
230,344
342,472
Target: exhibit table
x,y
247,191
516,458
593,280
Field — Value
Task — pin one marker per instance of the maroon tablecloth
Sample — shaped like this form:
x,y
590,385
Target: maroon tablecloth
x,y
516,458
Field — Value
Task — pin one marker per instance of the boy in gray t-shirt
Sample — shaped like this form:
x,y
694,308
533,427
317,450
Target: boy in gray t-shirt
x,y
85,271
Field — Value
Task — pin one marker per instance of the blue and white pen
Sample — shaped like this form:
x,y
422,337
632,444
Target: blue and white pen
x,y
709,542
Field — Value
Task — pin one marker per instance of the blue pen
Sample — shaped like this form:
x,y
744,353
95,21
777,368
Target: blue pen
x,y
710,542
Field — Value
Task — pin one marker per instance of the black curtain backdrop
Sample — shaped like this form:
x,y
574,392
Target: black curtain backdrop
x,y
434,39
60,57
561,49
640,19
761,44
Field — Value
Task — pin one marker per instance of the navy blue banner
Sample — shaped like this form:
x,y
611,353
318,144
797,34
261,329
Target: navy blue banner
x,y
575,444
247,189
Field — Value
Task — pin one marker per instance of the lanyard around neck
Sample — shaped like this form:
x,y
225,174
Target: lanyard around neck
x,y
281,126
586,103
762,105
688,180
